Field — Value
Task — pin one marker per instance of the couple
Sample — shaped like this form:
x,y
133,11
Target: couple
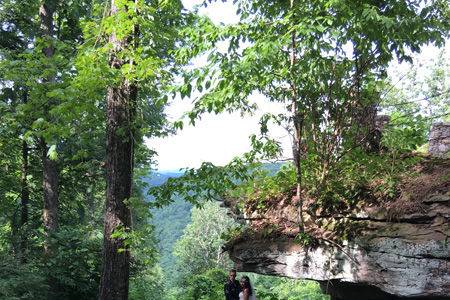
x,y
235,290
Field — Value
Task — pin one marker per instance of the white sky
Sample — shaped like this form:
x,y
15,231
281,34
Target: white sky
x,y
216,138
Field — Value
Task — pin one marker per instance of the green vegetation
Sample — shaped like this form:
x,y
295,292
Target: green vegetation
x,y
273,288
200,247
170,222
84,82
202,267
326,62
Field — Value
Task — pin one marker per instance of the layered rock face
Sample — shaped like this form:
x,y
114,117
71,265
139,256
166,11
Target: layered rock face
x,y
405,255
439,142
406,259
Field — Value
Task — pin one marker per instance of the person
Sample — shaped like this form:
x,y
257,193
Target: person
x,y
232,287
247,292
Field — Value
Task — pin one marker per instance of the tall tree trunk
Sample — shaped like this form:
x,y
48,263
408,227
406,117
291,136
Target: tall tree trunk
x,y
25,199
50,185
121,101
46,11
49,167
297,117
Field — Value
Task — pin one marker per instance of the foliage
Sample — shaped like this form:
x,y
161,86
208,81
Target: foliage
x,y
154,25
209,286
359,176
404,133
206,286
200,247
170,221
204,280
147,278
420,89
276,288
257,58
147,284
364,177
325,61
76,265
21,281
68,112
209,182
265,185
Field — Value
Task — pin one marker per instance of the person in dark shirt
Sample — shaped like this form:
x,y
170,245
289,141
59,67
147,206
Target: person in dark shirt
x,y
232,287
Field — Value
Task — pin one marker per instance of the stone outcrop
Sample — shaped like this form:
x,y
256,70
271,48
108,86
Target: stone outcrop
x,y
439,141
381,256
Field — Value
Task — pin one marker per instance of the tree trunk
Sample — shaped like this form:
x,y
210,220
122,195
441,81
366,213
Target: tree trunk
x,y
46,11
119,164
49,167
50,184
25,199
297,117
121,101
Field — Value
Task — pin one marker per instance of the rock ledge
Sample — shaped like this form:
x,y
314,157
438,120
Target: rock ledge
x,y
403,258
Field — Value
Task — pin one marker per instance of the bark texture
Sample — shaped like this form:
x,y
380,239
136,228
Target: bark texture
x,y
49,167
121,101
116,261
50,186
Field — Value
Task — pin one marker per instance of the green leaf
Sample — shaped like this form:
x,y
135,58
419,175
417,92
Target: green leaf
x,y
52,153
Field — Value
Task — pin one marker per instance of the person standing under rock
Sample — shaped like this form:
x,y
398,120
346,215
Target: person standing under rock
x,y
247,290
232,287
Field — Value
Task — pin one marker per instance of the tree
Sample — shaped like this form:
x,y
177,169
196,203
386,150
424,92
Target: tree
x,y
49,167
325,61
17,33
36,66
141,35
200,247
420,90
121,103
64,106
37,106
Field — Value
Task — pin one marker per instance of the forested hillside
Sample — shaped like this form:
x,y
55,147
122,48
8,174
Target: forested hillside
x,y
169,222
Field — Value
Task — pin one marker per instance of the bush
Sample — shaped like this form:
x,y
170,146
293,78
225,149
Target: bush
x,y
206,286
22,282
77,263
147,284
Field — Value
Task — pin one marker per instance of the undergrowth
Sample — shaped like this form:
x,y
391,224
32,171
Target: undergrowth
x,y
358,176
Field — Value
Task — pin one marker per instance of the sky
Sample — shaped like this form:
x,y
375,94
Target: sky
x,y
219,138
215,138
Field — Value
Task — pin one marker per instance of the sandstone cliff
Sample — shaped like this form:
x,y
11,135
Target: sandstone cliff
x,y
376,250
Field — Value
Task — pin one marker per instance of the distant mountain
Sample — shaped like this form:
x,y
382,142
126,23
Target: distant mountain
x,y
169,221
158,178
